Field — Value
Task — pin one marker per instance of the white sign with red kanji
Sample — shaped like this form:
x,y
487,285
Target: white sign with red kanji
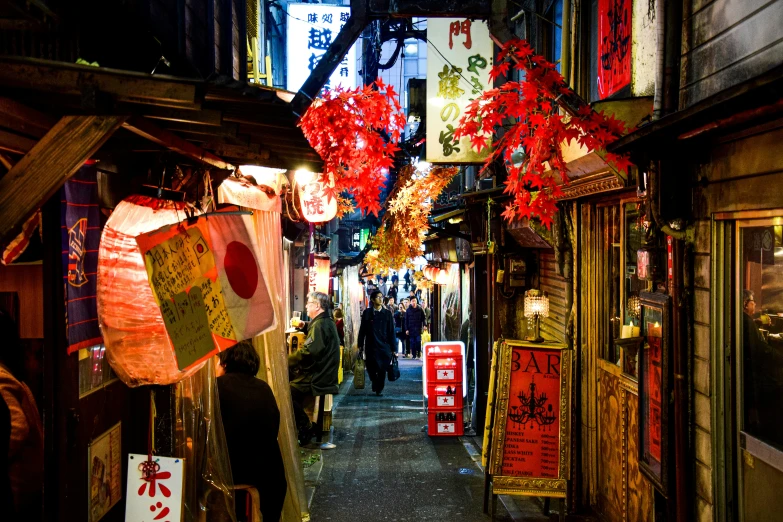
x,y
154,491
445,375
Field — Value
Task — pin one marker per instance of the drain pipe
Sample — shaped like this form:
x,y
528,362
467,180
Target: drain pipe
x,y
660,53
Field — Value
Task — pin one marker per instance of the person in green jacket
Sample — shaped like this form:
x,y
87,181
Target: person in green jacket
x,y
315,364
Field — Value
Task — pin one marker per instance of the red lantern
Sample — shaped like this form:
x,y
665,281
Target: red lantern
x,y
137,345
320,271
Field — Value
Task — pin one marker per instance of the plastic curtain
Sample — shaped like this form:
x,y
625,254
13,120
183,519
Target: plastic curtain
x,y
353,297
201,441
450,305
271,348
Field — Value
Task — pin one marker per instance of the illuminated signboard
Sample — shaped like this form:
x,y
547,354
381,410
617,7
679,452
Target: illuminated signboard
x,y
459,58
311,29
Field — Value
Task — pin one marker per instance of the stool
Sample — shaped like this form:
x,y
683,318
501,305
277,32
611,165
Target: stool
x,y
254,501
319,425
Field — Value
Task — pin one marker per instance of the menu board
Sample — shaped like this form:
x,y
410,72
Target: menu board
x,y
532,445
529,449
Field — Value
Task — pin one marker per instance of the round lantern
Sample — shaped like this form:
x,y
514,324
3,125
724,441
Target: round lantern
x,y
137,345
317,207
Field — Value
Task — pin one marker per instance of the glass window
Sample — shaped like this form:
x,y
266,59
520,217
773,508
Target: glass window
x,y
411,67
411,48
608,299
634,235
761,343
94,369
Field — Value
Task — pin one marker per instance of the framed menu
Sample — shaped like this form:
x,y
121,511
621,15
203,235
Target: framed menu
x,y
529,453
653,386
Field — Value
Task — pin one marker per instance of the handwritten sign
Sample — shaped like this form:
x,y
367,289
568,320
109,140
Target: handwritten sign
x,y
187,324
459,58
529,447
154,490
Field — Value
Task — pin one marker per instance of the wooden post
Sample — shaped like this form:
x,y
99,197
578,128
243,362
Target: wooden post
x,y
54,159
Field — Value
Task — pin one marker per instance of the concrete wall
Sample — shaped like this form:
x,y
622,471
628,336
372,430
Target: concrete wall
x,y
726,42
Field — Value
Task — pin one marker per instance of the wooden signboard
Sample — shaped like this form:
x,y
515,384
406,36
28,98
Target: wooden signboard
x,y
529,450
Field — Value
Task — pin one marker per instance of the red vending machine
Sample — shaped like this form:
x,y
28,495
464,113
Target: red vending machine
x,y
444,388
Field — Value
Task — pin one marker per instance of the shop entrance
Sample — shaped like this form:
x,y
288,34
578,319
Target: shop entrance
x,y
754,376
610,235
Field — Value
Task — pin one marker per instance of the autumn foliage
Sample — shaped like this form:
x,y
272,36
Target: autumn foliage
x,y
527,111
406,222
356,131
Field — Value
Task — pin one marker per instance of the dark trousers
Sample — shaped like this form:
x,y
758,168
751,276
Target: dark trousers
x,y
376,373
300,399
415,344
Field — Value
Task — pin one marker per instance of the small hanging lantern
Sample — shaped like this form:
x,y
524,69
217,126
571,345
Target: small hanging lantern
x,y
317,206
320,274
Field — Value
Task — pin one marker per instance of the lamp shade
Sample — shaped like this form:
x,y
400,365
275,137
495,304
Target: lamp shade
x,y
137,345
536,304
317,207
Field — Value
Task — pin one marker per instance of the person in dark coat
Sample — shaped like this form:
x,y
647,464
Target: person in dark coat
x,y
399,327
414,321
251,421
377,339
316,363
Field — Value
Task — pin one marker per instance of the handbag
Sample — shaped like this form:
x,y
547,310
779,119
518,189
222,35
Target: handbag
x,y
358,372
393,371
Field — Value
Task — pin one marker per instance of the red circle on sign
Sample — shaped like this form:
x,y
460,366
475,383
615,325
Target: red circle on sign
x,y
241,269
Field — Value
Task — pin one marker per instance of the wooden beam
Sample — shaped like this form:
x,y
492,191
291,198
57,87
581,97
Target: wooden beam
x,y
123,86
226,130
54,159
152,132
202,117
15,143
23,119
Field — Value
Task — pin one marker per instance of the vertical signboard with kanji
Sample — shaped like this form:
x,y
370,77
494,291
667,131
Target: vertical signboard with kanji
x,y
614,46
311,30
530,434
459,58
154,488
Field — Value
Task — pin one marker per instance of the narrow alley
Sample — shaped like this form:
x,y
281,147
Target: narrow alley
x,y
386,467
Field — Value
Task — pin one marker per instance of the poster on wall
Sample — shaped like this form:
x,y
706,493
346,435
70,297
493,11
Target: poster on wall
x,y
530,433
154,488
105,467
311,30
653,383
614,46
459,58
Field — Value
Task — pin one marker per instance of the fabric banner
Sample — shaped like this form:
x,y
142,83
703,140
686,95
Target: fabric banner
x,y
81,236
614,46
242,192
206,278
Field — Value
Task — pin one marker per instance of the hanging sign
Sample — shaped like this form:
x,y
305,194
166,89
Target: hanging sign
x,y
459,58
206,278
530,432
154,488
311,30
317,205
614,46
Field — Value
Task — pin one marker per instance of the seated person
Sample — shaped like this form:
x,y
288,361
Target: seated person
x,y
315,364
251,421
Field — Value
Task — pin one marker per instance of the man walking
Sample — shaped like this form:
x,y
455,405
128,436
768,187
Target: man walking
x,y
317,362
377,339
414,320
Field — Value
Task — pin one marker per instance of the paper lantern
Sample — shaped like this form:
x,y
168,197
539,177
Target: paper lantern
x,y
137,345
320,269
317,207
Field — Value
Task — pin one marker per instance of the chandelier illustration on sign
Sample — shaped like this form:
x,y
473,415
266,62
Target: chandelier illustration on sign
x,y
533,409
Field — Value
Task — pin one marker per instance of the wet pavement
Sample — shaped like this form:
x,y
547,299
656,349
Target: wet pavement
x,y
386,468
